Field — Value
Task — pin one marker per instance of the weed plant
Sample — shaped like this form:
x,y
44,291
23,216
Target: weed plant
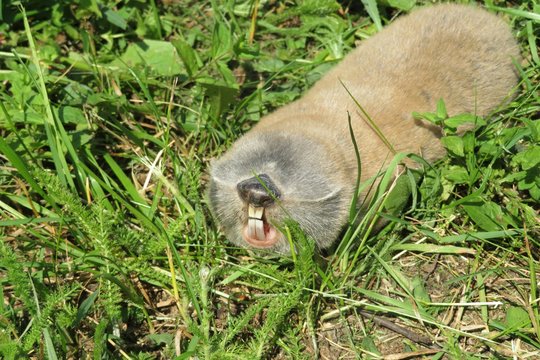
x,y
110,111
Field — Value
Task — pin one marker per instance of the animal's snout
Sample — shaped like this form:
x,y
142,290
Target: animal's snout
x,y
258,191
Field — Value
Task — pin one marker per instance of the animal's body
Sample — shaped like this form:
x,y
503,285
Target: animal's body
x,y
299,161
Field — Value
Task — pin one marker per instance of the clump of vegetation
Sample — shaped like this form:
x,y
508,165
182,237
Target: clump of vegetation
x,y
110,111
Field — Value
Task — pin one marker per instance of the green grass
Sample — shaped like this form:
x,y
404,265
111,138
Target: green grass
x,y
110,112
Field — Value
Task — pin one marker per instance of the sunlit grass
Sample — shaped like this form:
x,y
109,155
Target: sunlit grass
x,y
109,115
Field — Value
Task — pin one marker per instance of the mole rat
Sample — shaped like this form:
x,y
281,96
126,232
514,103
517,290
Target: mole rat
x,y
300,162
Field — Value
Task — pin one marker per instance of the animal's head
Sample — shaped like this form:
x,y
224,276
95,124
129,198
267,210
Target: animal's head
x,y
267,177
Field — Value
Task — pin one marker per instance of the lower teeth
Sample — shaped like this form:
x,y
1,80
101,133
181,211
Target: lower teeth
x,y
256,229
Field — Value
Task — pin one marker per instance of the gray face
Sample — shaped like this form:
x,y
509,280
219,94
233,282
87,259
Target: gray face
x,y
298,170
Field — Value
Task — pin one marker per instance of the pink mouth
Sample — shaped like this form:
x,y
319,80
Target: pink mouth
x,y
266,240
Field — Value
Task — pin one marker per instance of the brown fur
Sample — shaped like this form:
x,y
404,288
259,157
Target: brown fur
x,y
461,54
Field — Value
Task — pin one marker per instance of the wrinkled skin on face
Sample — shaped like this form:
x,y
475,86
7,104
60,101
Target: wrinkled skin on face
x,y
304,177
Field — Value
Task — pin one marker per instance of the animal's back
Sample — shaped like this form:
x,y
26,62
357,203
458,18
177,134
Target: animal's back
x,y
458,53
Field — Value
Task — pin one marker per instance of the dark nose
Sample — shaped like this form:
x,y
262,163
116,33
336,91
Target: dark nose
x,y
258,190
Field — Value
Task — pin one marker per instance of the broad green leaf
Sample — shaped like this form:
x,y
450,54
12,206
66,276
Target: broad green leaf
x,y
87,7
221,41
70,115
116,19
454,122
456,174
188,55
400,4
535,192
485,221
419,290
368,344
161,338
469,142
454,144
517,318
227,74
431,117
77,93
160,57
530,179
488,215
220,95
515,176
247,51
441,109
271,65
534,127
489,148
529,158
399,196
